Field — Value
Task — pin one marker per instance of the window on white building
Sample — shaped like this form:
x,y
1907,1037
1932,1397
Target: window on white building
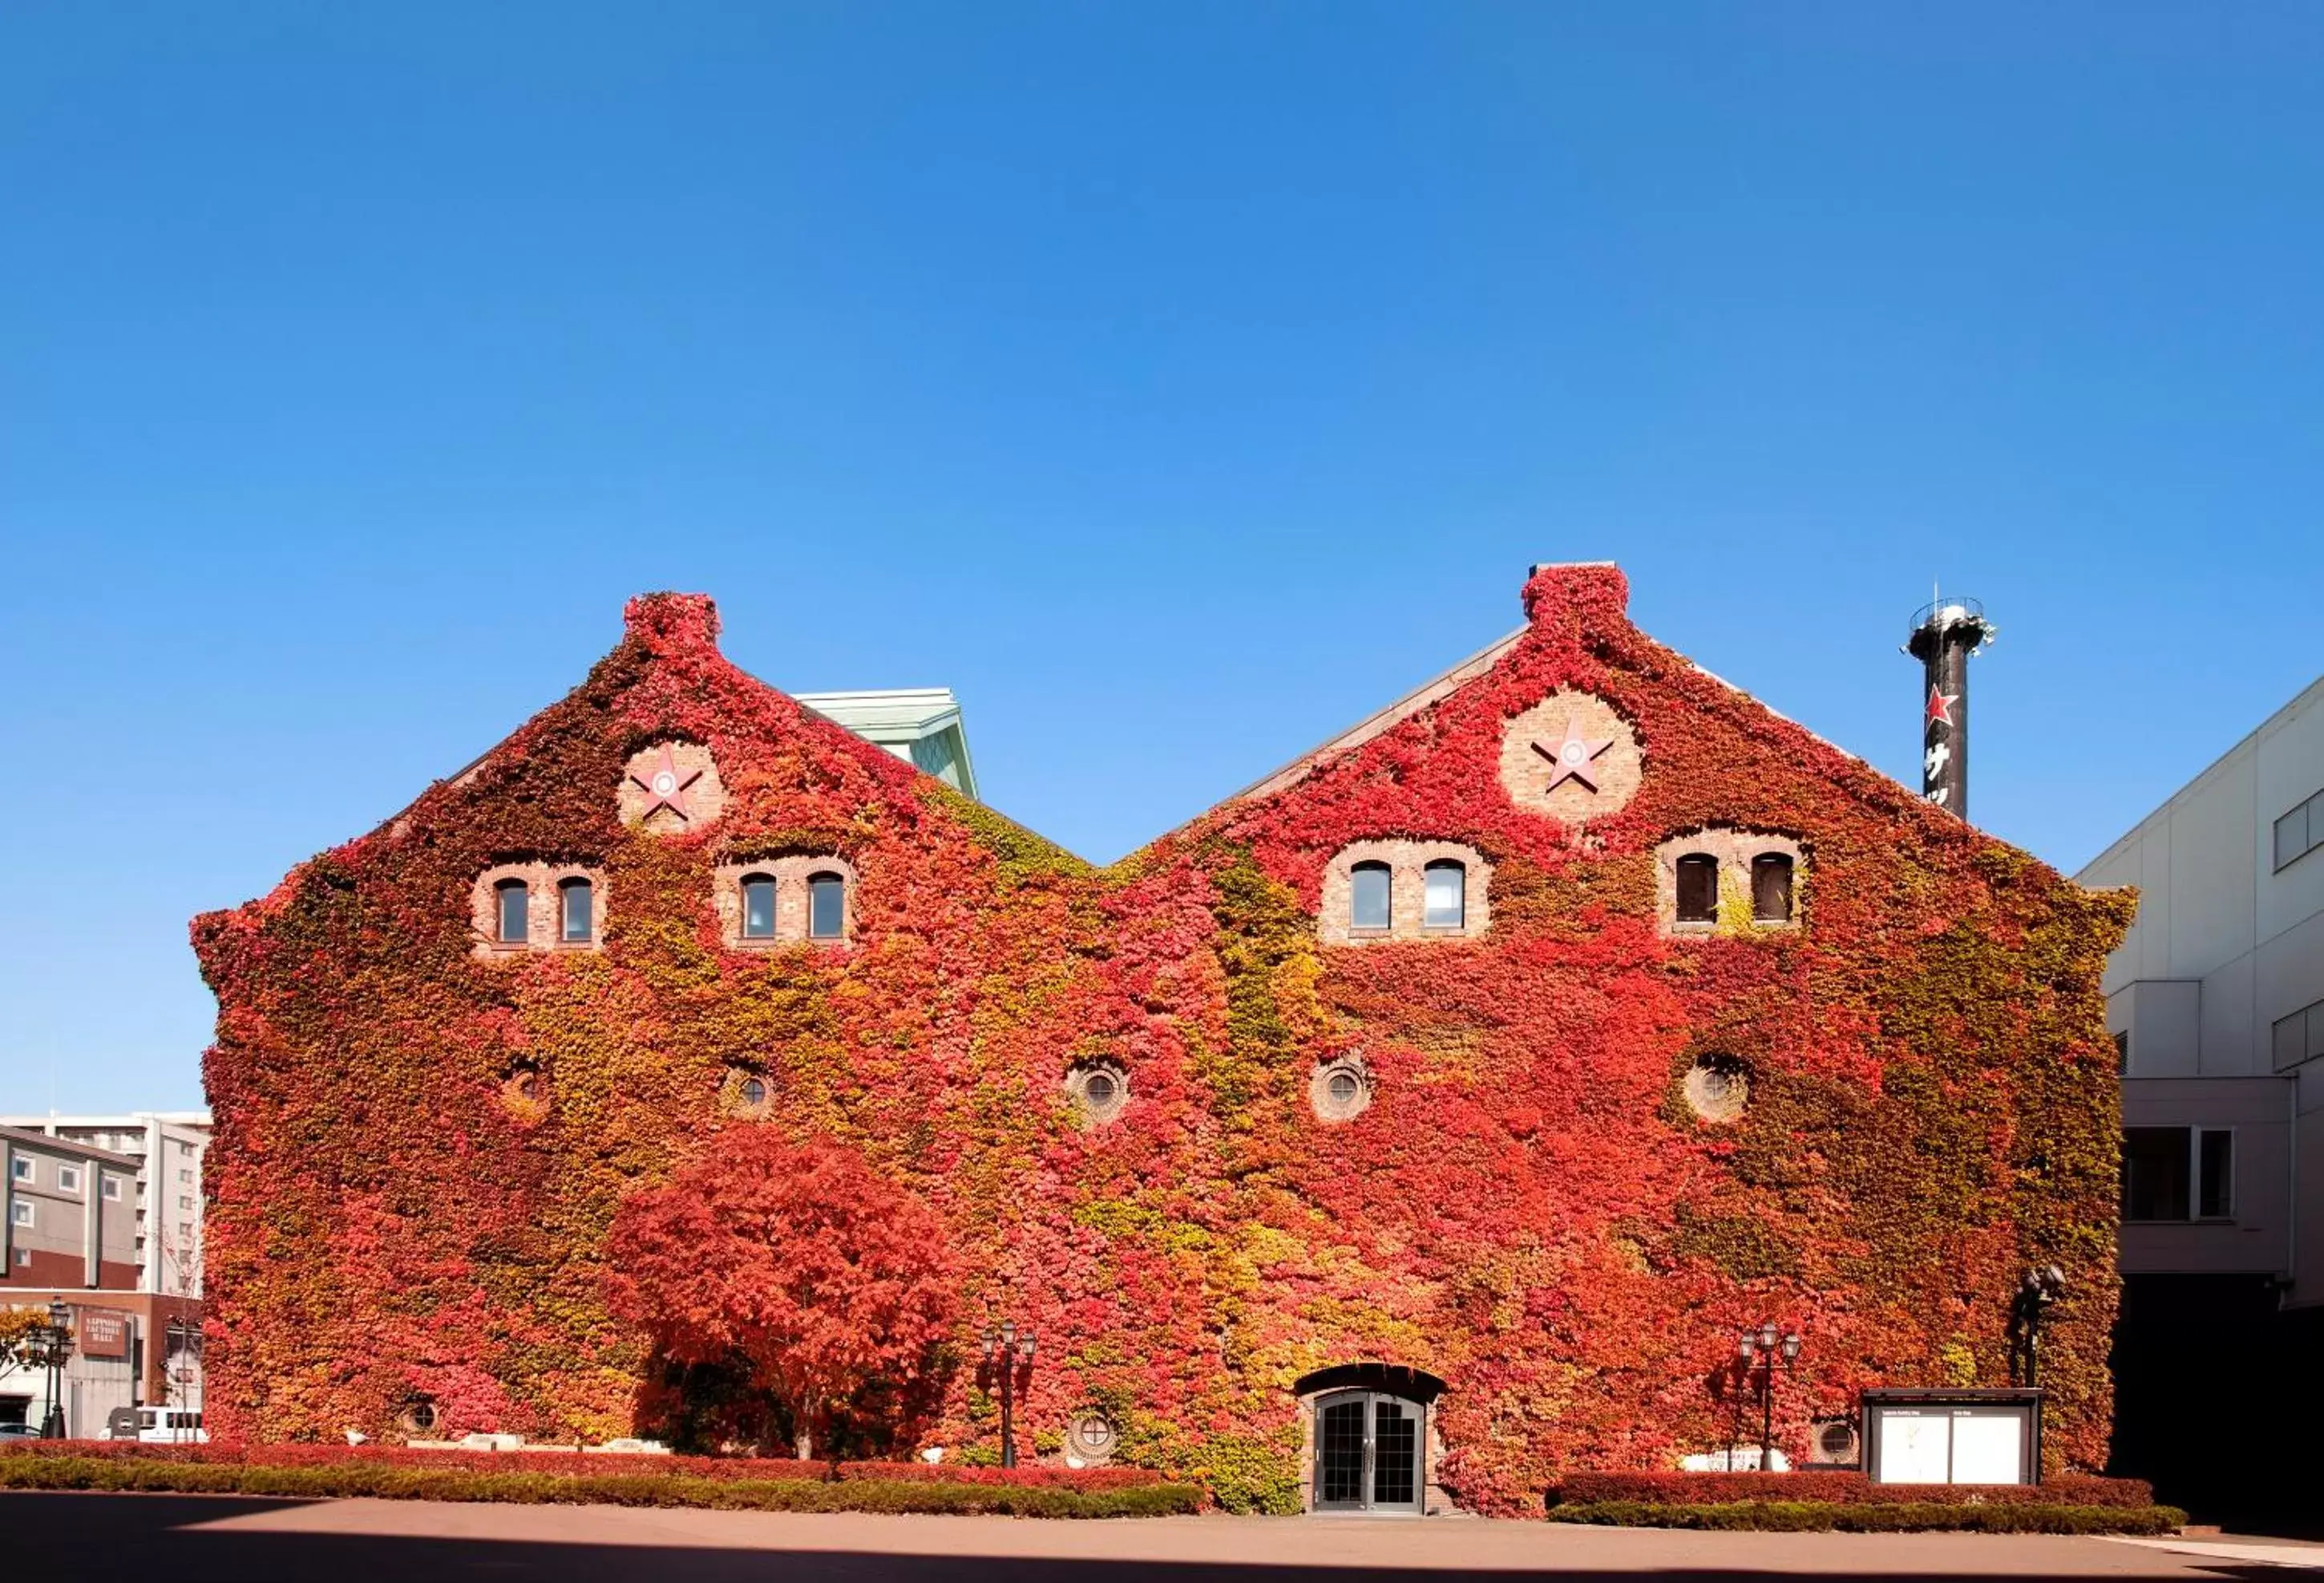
x,y
2178,1173
22,1212
68,1179
112,1189
21,1168
2297,1037
2300,831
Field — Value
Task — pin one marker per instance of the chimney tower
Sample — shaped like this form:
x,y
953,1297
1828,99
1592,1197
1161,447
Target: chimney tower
x,y
1946,631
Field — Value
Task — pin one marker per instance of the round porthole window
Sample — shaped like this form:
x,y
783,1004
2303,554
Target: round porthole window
x,y
749,1093
1718,1087
1100,1090
417,1415
524,1092
1340,1089
1090,1438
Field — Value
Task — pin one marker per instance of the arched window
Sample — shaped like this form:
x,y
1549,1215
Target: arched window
x,y
1367,890
514,911
1698,888
1771,889
576,909
757,906
826,907
1444,892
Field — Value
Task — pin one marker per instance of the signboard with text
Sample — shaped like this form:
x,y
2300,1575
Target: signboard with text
x,y
102,1332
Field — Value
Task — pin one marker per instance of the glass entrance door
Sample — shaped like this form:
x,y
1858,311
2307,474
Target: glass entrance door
x,y
1367,1453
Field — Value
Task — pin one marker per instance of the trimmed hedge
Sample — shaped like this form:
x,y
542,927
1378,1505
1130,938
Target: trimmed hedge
x,y
1839,1487
595,1464
1901,1517
386,1480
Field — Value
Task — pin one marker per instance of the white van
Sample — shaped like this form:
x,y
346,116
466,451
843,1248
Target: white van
x,y
170,1425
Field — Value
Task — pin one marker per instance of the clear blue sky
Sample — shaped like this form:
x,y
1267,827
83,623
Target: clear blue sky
x,y
1178,382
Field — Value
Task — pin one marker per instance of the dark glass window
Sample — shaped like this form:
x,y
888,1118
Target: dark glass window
x,y
1099,1088
1445,903
2215,1174
576,905
757,906
2154,1174
2122,1053
2297,1037
826,907
1367,904
1771,889
2300,831
754,1091
515,909
1395,1452
1698,888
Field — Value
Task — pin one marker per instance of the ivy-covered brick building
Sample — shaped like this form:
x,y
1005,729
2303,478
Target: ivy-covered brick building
x,y
1500,1060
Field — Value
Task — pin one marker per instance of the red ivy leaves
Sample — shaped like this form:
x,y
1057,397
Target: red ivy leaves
x,y
1527,1210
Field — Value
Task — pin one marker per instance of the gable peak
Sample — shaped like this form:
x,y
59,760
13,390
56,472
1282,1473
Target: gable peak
x,y
1589,595
672,623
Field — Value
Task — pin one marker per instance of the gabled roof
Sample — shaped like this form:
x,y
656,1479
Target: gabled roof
x,y
1446,683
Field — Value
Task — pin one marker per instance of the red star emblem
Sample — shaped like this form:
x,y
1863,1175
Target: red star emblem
x,y
1570,759
666,787
1941,708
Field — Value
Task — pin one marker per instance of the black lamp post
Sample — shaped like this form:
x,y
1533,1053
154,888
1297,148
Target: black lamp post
x,y
1002,1354
1764,1345
2035,1294
56,1346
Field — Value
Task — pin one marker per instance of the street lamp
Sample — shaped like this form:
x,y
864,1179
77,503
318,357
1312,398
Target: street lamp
x,y
1764,1346
2036,1293
56,1346
1002,1354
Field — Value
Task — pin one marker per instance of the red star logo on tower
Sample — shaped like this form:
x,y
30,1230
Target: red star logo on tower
x,y
666,787
1941,708
1570,760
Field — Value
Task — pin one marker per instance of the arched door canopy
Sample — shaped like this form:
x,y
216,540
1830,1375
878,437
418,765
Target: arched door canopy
x,y
1392,1379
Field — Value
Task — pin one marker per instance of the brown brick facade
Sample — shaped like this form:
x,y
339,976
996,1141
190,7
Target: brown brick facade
x,y
1531,739
544,910
790,875
1408,864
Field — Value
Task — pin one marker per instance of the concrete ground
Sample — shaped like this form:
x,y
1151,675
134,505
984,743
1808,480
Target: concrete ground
x,y
197,1539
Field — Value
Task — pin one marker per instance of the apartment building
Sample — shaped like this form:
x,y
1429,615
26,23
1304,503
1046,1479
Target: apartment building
x,y
164,1149
71,1211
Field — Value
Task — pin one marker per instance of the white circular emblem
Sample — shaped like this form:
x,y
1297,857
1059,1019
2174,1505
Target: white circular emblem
x,y
1573,752
665,782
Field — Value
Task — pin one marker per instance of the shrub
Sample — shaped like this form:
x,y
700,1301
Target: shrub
x,y
1884,1517
1841,1487
388,1480
595,1464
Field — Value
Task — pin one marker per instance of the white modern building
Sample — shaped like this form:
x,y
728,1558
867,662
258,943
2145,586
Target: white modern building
x,y
922,724
167,1148
2215,1000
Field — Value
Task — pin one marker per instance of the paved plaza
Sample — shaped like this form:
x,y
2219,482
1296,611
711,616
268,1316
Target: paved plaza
x,y
195,1539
